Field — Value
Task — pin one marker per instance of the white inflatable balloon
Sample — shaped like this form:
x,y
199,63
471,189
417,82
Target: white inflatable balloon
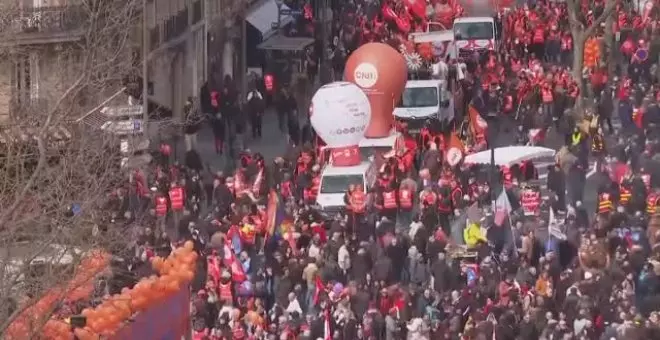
x,y
340,113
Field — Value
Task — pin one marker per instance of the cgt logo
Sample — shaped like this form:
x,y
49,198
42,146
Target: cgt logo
x,y
365,75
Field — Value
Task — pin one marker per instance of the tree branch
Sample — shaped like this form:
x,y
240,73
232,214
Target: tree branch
x,y
6,215
609,9
573,9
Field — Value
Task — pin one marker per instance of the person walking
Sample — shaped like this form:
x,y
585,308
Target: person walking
x,y
192,124
285,105
255,109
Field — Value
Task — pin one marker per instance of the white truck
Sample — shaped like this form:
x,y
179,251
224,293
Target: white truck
x,y
425,102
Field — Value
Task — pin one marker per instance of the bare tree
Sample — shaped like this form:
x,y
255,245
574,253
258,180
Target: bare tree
x,y
55,176
581,32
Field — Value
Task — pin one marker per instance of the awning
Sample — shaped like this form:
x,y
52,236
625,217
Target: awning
x,y
282,43
264,13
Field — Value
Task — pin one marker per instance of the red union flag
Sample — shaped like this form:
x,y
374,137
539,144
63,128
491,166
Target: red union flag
x,y
455,150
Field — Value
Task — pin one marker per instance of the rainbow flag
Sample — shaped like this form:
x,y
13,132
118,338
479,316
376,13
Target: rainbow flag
x,y
277,224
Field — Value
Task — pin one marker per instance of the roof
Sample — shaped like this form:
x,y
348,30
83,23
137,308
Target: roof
x,y
423,83
474,19
284,43
346,170
388,141
263,14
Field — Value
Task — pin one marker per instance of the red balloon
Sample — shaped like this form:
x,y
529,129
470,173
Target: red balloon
x,y
403,24
381,72
388,13
417,7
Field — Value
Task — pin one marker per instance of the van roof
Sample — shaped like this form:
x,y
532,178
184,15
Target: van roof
x,y
430,37
346,170
424,83
388,141
474,19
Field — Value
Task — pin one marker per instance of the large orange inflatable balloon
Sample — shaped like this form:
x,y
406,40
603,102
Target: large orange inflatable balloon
x,y
381,72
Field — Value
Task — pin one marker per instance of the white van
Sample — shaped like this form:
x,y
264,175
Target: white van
x,y
335,181
423,101
372,149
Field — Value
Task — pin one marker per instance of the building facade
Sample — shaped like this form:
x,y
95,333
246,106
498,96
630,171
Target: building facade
x,y
38,53
180,54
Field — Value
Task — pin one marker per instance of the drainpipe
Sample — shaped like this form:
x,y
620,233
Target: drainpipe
x,y
145,69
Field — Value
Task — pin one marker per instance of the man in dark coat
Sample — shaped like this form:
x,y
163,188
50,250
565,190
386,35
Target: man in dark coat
x,y
255,109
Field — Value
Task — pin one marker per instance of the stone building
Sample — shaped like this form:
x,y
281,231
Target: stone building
x,y
38,55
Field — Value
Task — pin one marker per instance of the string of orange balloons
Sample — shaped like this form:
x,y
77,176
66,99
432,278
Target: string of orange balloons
x,y
175,272
104,320
78,288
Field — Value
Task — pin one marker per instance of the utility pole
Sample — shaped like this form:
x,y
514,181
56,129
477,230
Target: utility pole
x,y
145,69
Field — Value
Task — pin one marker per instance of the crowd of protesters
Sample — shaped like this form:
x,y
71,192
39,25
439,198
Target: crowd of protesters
x,y
421,255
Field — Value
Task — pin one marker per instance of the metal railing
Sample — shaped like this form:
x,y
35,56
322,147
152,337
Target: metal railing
x,y
55,19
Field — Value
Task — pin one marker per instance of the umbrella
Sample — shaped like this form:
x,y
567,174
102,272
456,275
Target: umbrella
x,y
510,155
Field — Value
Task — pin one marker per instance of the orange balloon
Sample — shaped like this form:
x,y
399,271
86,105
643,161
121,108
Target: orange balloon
x,y
96,325
157,263
85,333
87,312
189,245
188,275
171,283
380,71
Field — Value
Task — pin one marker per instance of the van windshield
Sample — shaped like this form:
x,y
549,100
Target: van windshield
x,y
474,31
419,97
338,184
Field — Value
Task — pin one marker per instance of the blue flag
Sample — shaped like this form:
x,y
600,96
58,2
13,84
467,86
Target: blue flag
x,y
236,243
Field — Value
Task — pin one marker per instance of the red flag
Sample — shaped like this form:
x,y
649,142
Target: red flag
x,y
235,267
455,150
214,268
319,288
478,125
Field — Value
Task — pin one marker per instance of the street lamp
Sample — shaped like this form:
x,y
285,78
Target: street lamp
x,y
492,137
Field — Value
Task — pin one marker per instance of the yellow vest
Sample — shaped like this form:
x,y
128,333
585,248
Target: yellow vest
x,y
472,235
577,138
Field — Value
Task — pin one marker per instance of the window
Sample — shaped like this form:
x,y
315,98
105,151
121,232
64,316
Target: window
x,y
26,77
338,184
419,97
474,31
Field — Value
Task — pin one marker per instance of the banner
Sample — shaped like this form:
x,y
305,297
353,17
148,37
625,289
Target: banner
x,y
168,320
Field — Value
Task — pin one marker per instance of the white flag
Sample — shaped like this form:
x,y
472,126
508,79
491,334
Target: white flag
x,y
553,227
502,207
327,335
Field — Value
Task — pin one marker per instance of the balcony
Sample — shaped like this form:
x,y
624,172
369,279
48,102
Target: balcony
x,y
44,25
